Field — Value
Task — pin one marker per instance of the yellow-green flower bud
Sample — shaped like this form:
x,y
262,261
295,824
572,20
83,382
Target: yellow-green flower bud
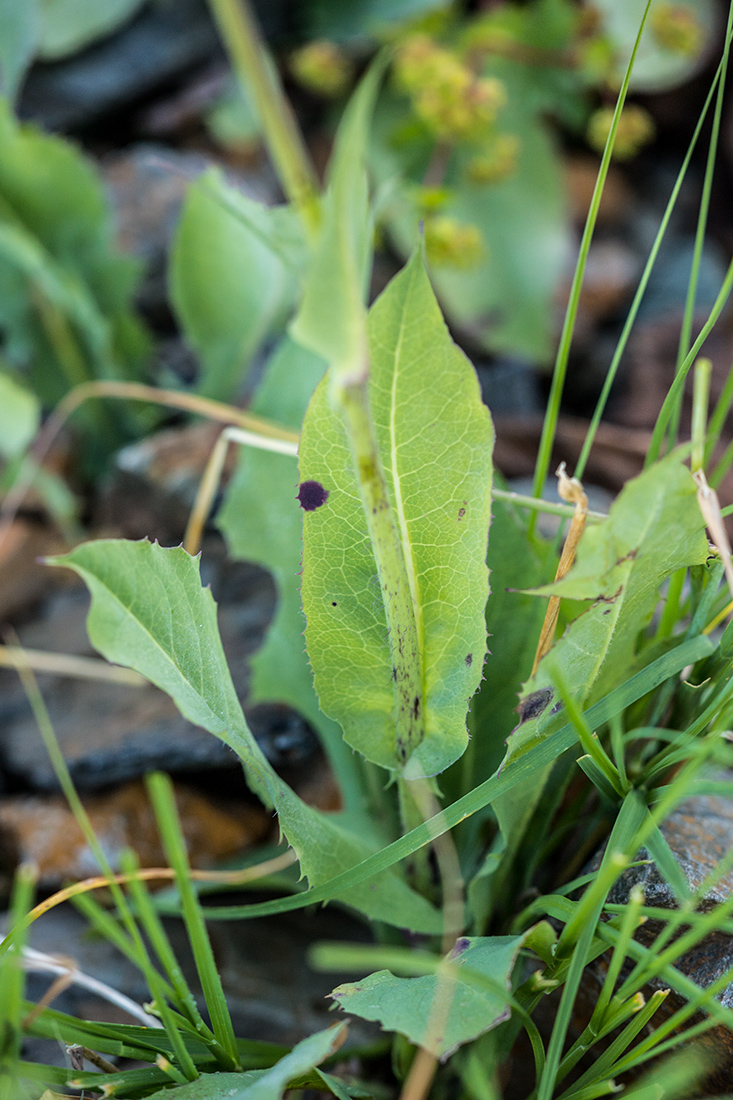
x,y
450,243
321,67
676,29
635,129
498,162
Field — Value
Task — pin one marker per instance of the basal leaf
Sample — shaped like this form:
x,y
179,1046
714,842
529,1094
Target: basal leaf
x,y
149,612
262,523
233,275
406,1004
435,439
654,528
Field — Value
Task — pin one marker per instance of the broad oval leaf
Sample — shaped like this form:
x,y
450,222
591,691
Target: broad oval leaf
x,y
435,440
478,1001
150,612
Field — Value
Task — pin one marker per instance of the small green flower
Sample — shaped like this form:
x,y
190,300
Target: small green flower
x,y
635,129
450,243
677,30
323,68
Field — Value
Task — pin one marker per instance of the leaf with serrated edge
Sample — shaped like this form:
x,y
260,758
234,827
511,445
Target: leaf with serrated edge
x,y
149,612
406,1004
435,438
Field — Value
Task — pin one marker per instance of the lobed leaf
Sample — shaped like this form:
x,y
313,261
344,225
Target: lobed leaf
x,y
435,439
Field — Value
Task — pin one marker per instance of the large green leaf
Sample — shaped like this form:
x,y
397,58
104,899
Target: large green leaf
x,y
20,26
149,612
435,439
57,258
69,25
406,1004
233,276
268,1084
336,20
506,301
262,523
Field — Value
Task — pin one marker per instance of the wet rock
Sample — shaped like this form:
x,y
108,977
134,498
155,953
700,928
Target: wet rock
x,y
161,43
42,829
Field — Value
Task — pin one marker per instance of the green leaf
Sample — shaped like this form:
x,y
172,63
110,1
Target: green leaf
x,y
654,528
69,25
20,27
268,1084
59,266
149,612
506,300
435,439
20,414
406,1004
233,278
261,521
330,320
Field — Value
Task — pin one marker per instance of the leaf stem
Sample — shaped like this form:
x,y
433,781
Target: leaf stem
x,y
252,63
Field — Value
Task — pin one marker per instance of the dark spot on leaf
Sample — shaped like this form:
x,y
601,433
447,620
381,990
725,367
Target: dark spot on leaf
x,y
333,603
311,495
461,513
462,944
533,704
416,706
394,674
469,658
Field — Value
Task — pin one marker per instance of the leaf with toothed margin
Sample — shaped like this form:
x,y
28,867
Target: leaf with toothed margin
x,y
149,612
478,1000
435,441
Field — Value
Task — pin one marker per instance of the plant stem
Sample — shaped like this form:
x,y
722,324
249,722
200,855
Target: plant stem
x,y
252,64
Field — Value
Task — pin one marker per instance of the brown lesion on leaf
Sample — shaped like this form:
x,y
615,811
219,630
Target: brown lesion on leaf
x,y
628,557
468,659
533,705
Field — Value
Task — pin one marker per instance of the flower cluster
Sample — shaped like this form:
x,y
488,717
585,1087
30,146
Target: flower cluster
x,y
497,162
450,243
449,99
635,129
676,29
323,68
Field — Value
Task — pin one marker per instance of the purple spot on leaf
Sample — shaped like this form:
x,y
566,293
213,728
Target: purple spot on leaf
x,y
469,658
311,495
